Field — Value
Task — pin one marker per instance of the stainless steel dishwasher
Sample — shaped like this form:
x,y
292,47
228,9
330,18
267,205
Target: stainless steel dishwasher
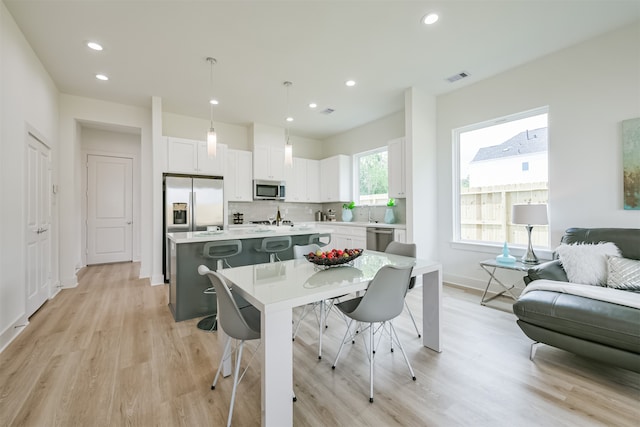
x,y
378,238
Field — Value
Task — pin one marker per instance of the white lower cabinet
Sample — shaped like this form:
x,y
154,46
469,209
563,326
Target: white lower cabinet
x,y
348,237
400,235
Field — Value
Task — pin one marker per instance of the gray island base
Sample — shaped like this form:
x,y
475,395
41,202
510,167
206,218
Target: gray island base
x,y
186,287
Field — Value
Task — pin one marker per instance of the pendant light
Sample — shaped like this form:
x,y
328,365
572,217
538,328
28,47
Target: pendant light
x,y
212,138
288,148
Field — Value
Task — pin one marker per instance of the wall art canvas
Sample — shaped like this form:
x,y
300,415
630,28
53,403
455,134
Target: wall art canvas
x,y
631,163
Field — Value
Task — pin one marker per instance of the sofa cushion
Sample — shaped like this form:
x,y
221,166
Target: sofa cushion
x,y
585,318
586,263
623,273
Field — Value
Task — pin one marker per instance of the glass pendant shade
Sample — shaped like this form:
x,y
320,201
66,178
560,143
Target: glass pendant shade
x,y
212,140
288,155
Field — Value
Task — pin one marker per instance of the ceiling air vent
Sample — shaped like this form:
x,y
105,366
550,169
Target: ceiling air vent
x,y
327,111
457,77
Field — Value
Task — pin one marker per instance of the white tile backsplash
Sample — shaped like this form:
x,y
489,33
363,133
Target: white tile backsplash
x,y
305,212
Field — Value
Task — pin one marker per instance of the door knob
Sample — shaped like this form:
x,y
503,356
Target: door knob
x,y
129,222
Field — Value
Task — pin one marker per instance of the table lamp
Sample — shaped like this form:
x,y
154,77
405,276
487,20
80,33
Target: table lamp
x,y
529,215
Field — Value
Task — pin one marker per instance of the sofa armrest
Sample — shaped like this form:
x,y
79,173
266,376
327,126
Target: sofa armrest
x,y
551,270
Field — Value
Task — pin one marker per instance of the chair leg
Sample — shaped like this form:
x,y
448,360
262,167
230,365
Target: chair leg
x,y
235,381
335,362
371,355
406,359
321,323
305,311
415,325
225,356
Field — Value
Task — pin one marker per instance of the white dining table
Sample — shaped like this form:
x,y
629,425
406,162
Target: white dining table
x,y
276,288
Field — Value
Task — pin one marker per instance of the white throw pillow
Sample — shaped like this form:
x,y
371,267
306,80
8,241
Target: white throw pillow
x,y
623,273
587,263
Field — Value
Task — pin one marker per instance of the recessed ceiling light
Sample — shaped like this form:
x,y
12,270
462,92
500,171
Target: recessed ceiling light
x,y
102,77
430,18
213,101
350,83
94,45
313,105
289,119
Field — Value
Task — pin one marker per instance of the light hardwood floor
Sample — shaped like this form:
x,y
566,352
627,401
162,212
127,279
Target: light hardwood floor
x,y
108,353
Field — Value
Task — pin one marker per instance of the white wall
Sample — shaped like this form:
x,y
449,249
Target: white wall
x,y
589,88
73,111
422,189
28,97
179,126
372,135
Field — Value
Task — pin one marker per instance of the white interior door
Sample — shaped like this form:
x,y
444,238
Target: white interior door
x,y
109,209
38,215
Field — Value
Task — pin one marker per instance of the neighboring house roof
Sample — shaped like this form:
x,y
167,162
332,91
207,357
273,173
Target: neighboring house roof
x,y
527,142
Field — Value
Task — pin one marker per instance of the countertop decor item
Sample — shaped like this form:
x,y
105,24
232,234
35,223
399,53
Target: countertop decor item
x,y
389,214
347,211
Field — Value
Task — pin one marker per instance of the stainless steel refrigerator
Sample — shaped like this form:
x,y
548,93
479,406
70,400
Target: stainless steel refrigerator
x,y
191,203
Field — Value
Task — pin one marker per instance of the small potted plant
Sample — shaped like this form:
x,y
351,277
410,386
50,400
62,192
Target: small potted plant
x,y
389,215
347,211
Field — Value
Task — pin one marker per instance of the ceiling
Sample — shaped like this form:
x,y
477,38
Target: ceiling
x,y
158,48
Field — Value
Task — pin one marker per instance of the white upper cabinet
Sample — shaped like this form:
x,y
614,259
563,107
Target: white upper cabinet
x,y
238,185
335,179
268,152
190,156
397,168
303,181
312,168
268,163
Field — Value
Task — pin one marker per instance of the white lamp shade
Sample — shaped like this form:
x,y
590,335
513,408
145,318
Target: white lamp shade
x,y
212,140
529,214
288,155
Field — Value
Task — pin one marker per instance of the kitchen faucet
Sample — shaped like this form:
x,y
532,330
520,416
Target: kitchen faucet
x,y
369,213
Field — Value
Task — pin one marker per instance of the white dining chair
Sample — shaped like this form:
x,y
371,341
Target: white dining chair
x,y
410,250
382,302
320,308
239,324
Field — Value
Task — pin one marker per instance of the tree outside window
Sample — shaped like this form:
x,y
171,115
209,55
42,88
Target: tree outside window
x,y
372,177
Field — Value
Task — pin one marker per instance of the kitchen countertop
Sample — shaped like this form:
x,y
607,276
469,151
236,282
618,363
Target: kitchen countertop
x,y
364,224
247,232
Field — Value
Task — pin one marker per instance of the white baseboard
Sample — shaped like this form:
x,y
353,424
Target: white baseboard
x,y
69,282
465,282
11,332
157,279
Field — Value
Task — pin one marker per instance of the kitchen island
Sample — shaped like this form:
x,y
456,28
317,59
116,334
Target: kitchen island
x,y
186,286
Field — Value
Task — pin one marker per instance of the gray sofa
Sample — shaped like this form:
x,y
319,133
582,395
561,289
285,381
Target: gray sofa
x,y
593,328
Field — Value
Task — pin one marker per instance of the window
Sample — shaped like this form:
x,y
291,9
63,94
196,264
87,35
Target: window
x,y
498,164
371,173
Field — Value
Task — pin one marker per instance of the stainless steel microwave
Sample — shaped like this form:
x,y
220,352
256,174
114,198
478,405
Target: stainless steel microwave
x,y
268,190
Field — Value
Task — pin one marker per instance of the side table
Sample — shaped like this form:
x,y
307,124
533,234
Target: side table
x,y
490,266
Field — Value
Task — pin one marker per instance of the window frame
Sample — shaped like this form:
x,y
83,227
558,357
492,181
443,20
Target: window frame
x,y
481,245
356,174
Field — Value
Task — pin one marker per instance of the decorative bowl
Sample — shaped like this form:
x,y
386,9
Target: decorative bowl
x,y
334,262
